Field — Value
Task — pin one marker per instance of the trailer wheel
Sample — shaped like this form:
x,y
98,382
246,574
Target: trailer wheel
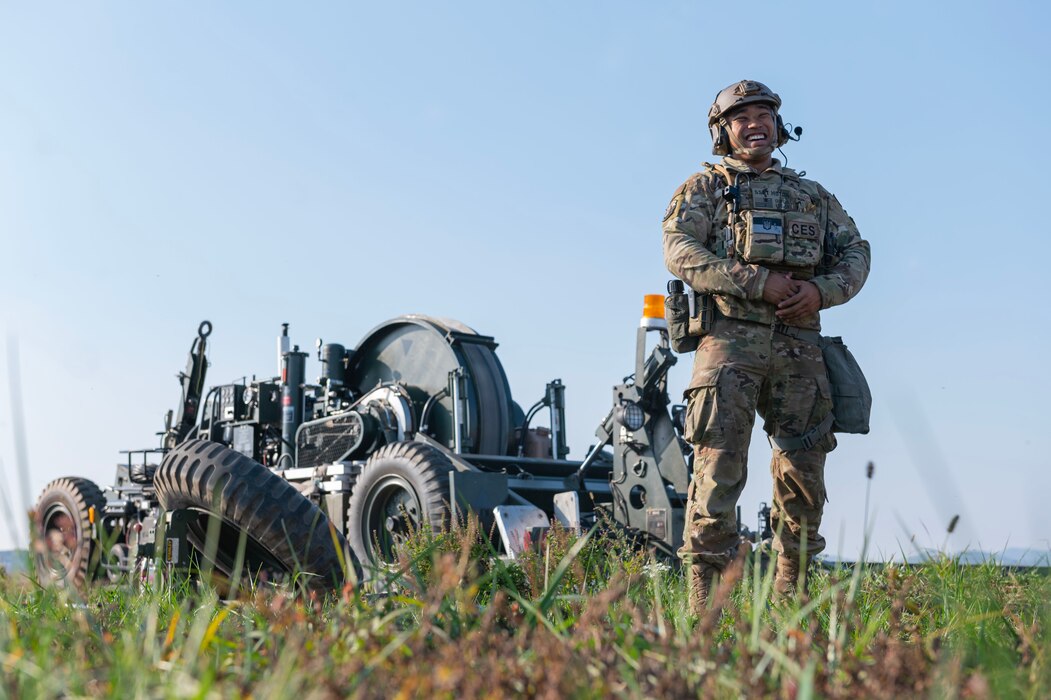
x,y
285,533
116,564
67,552
402,488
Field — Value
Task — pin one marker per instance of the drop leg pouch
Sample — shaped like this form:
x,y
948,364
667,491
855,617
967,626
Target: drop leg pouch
x,y
851,398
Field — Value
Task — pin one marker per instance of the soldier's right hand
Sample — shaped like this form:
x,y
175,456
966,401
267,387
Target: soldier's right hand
x,y
779,286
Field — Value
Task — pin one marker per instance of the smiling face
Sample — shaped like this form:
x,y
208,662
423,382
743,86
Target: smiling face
x,y
752,129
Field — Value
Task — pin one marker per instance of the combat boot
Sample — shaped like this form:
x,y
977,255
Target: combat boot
x,y
701,577
786,578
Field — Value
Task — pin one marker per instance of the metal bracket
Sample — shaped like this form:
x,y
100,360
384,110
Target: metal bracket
x,y
475,491
176,545
520,527
567,510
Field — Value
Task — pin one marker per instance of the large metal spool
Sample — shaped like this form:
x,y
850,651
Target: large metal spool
x,y
419,352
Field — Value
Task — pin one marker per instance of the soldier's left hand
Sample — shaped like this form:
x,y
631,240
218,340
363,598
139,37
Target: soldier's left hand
x,y
804,302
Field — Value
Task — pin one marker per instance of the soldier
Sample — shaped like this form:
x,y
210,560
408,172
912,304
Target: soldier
x,y
771,249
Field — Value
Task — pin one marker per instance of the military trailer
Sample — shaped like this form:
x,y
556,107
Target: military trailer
x,y
413,428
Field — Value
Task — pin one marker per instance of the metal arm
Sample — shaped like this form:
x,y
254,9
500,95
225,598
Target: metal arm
x,y
192,381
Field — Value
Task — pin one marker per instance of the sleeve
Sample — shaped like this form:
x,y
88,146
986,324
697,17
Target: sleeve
x,y
845,267
688,236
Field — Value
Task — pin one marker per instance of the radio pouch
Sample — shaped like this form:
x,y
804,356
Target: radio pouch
x,y
677,314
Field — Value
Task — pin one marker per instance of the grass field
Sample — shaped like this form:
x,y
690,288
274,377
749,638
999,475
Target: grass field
x,y
580,618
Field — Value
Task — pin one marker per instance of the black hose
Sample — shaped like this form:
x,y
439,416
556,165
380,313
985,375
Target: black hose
x,y
426,412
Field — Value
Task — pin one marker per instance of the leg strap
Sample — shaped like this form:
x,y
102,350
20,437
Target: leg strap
x,y
804,441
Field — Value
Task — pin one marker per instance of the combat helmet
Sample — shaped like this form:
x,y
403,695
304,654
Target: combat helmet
x,y
738,95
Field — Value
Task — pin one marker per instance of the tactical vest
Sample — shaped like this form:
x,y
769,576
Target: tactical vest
x,y
775,223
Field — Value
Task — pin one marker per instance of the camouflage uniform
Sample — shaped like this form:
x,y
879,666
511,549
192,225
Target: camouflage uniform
x,y
749,361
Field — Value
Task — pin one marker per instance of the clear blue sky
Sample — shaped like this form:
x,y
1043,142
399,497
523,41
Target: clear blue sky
x,y
335,165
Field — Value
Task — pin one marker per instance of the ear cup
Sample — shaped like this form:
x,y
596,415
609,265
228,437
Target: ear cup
x,y
720,141
782,132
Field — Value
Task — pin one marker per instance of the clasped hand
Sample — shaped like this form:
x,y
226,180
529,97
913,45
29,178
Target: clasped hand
x,y
794,298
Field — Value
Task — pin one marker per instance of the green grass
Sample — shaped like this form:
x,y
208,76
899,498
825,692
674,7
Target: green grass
x,y
579,618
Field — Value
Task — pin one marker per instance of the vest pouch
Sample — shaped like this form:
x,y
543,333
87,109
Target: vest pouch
x,y
851,398
760,236
802,240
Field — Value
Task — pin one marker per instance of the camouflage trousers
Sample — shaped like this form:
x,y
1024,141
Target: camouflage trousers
x,y
741,368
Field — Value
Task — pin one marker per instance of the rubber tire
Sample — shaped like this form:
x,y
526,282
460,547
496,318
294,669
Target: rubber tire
x,y
69,499
286,532
421,473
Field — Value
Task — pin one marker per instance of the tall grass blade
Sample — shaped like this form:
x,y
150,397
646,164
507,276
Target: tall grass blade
x,y
18,425
560,571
